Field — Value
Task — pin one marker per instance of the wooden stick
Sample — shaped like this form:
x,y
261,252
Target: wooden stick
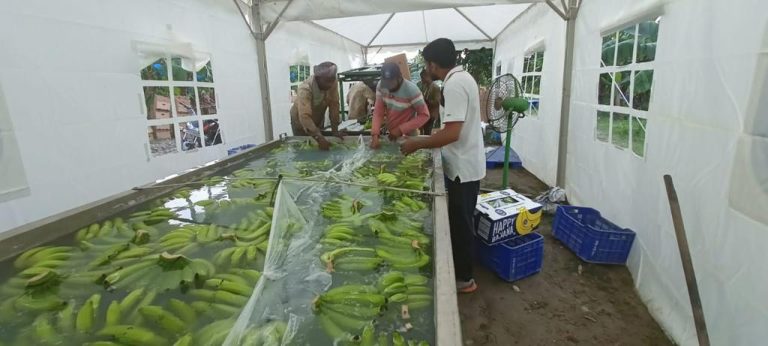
x,y
685,256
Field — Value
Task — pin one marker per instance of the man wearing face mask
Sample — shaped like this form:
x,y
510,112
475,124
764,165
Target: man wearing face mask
x,y
401,102
318,94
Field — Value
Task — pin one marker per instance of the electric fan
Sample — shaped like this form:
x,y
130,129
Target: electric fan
x,y
506,105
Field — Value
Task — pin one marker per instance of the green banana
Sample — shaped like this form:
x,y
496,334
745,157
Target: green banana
x,y
37,303
394,289
237,255
351,289
357,263
113,314
398,298
420,262
135,314
368,337
86,317
418,290
390,278
185,340
66,318
252,275
214,333
331,255
133,335
334,332
232,278
164,319
229,286
361,312
131,299
397,339
223,297
185,312
416,280
44,331
345,322
384,339
359,299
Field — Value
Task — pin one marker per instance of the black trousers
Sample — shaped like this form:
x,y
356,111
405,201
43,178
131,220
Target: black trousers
x,y
462,198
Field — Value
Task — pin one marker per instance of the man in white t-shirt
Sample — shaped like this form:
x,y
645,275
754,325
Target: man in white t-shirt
x,y
463,152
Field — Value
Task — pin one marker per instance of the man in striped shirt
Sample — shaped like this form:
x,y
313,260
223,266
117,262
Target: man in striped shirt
x,y
401,102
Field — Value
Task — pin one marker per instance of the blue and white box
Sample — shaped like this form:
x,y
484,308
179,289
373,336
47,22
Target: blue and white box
x,y
503,215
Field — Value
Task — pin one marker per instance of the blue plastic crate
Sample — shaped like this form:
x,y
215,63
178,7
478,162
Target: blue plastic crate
x,y
593,238
514,259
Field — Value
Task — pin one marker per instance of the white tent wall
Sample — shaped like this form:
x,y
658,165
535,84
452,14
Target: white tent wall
x,y
71,81
706,88
535,138
290,38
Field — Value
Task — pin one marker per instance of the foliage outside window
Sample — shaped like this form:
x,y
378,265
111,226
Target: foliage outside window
x,y
533,65
181,109
297,75
625,84
479,63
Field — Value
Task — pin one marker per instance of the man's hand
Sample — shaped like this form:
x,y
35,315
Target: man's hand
x,y
323,143
410,145
394,134
375,142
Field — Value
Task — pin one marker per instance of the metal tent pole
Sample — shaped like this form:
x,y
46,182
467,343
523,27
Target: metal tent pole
x,y
565,108
261,54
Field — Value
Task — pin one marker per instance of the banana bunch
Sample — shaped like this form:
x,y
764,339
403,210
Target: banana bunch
x,y
387,179
212,334
220,297
154,216
527,221
189,238
403,259
308,168
340,235
243,253
342,207
165,272
343,312
407,204
406,289
110,228
398,234
351,259
50,257
270,334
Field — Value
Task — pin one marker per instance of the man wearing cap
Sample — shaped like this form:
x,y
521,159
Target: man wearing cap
x,y
401,102
318,94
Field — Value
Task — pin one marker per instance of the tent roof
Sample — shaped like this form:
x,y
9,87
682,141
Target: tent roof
x,y
401,22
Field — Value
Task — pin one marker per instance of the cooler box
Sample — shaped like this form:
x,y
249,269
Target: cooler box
x,y
503,215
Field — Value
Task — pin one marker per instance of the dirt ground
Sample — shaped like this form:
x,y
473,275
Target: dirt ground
x,y
557,306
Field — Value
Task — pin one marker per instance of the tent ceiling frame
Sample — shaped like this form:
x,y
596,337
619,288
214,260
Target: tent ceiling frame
x,y
473,24
386,22
273,25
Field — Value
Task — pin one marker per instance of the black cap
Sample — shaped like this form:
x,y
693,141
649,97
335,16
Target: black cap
x,y
390,71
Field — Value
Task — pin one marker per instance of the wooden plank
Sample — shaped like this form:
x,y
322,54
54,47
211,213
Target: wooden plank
x,y
685,257
447,320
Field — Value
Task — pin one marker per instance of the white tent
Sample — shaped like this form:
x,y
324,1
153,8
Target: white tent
x,y
71,102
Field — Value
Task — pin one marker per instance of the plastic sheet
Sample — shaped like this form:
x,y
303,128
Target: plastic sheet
x,y
293,276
